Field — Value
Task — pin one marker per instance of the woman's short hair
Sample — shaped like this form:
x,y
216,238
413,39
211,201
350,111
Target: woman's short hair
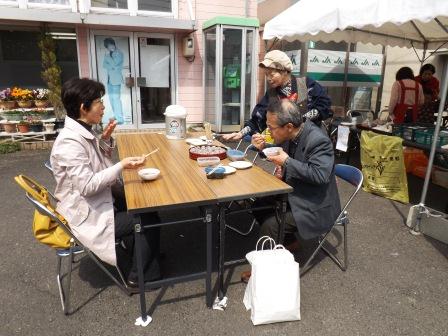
x,y
404,73
108,41
427,66
286,111
77,91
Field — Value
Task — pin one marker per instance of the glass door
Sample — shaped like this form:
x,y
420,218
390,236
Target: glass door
x,y
154,80
137,70
112,55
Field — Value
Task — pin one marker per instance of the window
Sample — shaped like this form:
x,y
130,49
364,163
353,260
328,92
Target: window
x,y
51,2
119,4
155,5
20,59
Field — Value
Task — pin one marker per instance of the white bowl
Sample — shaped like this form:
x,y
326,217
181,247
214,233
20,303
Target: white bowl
x,y
270,151
148,173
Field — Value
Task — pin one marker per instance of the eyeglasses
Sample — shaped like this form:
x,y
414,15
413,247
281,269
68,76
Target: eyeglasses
x,y
98,101
274,128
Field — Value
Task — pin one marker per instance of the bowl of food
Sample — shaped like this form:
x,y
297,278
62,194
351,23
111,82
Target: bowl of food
x,y
207,151
272,151
148,174
235,155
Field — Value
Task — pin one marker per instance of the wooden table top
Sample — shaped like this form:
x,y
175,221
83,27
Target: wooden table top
x,y
182,182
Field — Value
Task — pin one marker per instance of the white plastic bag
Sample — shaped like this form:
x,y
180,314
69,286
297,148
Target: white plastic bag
x,y
273,291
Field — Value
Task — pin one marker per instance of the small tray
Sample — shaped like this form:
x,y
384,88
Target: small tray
x,y
208,161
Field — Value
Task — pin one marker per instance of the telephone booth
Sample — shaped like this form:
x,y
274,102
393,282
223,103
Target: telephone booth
x,y
230,68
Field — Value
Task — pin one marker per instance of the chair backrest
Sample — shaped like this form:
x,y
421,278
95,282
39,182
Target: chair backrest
x,y
47,165
54,216
49,227
351,175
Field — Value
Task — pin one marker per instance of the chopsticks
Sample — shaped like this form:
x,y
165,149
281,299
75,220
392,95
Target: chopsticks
x,y
213,170
154,151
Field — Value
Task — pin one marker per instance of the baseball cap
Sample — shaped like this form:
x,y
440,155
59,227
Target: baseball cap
x,y
276,59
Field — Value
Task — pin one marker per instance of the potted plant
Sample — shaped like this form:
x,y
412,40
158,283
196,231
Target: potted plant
x,y
24,97
49,127
12,115
7,101
51,74
41,98
36,126
23,126
10,127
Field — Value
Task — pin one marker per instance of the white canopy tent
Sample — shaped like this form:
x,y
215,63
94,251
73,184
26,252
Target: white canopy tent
x,y
422,24
419,24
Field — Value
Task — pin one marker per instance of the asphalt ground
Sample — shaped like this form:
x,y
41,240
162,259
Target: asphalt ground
x,y
396,283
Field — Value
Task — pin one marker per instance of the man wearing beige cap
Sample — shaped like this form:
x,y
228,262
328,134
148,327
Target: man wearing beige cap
x,y
309,96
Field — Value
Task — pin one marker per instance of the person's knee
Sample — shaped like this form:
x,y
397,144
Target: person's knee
x,y
267,229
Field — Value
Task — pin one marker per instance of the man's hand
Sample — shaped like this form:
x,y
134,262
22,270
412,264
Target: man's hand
x,y
109,129
133,162
232,136
279,159
259,141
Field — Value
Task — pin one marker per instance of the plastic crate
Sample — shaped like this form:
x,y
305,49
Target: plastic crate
x,y
408,131
397,130
425,137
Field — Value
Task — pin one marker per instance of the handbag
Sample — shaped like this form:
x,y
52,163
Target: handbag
x,y
273,291
45,229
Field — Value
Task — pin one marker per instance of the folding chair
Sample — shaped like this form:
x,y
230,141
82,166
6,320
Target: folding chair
x,y
47,165
353,176
33,193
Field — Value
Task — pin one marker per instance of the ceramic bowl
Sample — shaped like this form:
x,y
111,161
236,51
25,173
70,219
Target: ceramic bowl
x,y
235,155
270,151
148,174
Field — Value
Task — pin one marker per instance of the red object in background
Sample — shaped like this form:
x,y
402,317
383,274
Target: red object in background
x,y
212,151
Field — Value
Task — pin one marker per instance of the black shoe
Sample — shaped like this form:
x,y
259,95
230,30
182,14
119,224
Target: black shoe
x,y
133,285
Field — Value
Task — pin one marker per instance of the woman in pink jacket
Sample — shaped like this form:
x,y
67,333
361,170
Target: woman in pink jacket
x,y
88,185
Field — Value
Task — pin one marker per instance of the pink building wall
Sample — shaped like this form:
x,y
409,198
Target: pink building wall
x,y
190,91
189,74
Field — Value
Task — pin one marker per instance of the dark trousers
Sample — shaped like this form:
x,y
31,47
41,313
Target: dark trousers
x,y
269,226
124,230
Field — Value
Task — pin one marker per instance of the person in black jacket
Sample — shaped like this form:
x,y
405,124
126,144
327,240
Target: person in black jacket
x,y
310,96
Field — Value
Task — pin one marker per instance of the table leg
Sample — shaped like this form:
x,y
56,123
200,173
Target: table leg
x,y
283,204
222,241
141,280
208,279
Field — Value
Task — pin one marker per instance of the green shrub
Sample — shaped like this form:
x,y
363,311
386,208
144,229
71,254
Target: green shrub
x,y
9,147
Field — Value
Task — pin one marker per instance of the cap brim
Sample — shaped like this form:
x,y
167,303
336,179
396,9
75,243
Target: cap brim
x,y
265,64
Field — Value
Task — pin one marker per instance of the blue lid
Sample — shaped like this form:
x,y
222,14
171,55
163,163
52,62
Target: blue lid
x,y
219,170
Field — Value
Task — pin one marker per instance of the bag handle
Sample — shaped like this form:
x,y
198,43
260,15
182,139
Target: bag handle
x,y
266,239
33,188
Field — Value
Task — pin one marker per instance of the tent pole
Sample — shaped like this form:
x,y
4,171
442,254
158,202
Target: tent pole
x,y
303,58
344,86
379,96
434,143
